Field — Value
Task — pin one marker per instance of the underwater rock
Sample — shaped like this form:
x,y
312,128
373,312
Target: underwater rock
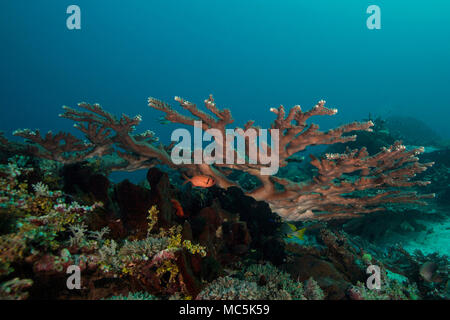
x,y
211,220
262,223
133,202
236,236
232,223
81,179
390,226
154,176
412,131
161,194
190,267
221,233
83,182
332,281
335,265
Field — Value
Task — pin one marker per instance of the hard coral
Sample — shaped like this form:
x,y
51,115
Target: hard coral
x,y
228,288
261,282
347,185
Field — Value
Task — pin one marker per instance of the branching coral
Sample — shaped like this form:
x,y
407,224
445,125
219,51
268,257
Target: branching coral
x,y
391,289
228,288
46,234
158,254
104,130
135,296
346,185
429,271
327,196
313,291
98,127
274,284
261,282
63,147
14,289
39,214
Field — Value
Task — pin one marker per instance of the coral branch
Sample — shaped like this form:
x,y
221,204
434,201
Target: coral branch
x,y
346,185
3,140
103,129
223,116
62,147
333,192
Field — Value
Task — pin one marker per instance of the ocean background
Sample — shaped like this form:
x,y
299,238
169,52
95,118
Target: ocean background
x,y
252,55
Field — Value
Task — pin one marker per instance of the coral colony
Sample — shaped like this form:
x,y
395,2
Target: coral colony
x,y
222,234
214,152
324,197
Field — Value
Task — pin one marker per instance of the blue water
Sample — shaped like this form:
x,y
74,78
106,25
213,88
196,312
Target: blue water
x,y
251,54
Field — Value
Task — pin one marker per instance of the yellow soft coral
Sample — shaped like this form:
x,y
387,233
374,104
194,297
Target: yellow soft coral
x,y
194,248
168,266
176,243
152,218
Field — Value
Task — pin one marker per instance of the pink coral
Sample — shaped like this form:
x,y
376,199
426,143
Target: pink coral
x,y
166,254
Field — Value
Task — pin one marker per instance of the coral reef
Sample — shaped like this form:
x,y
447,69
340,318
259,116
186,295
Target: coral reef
x,y
274,284
346,185
229,246
160,239
135,296
430,272
45,233
261,282
228,288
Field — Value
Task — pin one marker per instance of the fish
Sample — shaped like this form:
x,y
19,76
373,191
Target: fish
x,y
295,158
291,231
163,120
201,181
428,271
178,208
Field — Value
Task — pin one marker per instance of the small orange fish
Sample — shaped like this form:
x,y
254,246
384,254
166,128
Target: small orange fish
x,y
201,181
178,208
